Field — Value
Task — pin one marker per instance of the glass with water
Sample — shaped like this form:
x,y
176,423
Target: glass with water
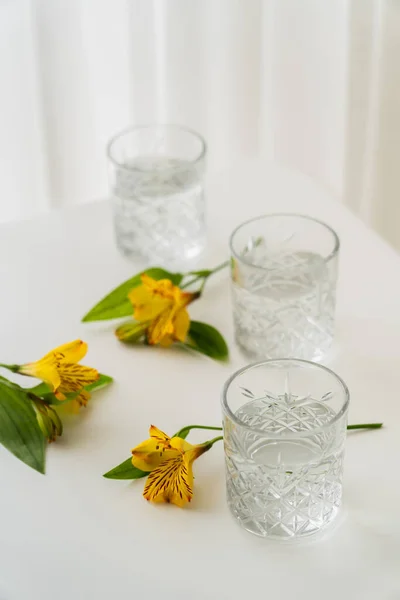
x,y
157,175
285,427
284,274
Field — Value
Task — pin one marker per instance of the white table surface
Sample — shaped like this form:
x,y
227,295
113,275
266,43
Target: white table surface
x,y
74,534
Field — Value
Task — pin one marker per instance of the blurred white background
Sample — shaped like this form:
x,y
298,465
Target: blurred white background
x,y
313,84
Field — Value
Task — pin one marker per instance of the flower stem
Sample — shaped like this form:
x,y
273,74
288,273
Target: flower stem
x,y
205,276
216,439
185,430
13,368
220,267
366,426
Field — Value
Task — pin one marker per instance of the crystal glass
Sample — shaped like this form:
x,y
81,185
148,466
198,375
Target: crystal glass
x,y
284,273
284,433
156,177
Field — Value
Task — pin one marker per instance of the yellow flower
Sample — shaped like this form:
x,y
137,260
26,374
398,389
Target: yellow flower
x,y
59,369
169,461
159,311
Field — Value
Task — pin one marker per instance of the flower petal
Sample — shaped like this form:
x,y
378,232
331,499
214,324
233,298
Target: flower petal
x,y
158,434
70,408
180,444
83,398
140,295
72,352
146,305
162,287
44,370
185,298
171,482
166,341
150,453
148,461
75,377
181,324
161,326
190,451
148,312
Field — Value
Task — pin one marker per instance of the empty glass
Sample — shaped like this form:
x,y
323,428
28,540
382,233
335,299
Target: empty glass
x,y
156,177
284,274
284,433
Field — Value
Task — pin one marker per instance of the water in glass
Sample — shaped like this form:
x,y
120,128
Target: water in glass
x,y
159,209
285,308
284,488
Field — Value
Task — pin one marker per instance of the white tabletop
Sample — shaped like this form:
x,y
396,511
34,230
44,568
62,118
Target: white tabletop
x,y
74,534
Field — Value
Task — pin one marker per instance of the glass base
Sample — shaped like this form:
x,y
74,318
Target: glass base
x,y
278,533
255,349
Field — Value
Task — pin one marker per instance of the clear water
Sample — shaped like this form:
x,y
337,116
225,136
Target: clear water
x,y
284,488
159,210
286,308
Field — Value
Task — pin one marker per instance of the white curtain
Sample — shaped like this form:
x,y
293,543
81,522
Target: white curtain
x,y
311,83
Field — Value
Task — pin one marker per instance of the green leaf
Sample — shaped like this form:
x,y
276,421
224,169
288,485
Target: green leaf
x,y
43,390
206,339
10,384
101,382
116,304
19,430
125,470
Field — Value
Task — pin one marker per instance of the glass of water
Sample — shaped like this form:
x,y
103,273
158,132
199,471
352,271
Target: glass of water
x,y
284,274
157,175
285,425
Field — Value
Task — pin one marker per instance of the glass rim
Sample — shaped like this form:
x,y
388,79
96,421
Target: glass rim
x,y
171,126
291,434
334,252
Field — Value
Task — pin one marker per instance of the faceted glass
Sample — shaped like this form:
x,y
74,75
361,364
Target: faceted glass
x,y
285,425
156,178
284,274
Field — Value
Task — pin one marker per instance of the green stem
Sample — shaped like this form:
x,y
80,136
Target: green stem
x,y
190,427
13,368
210,443
220,267
208,427
205,277
366,426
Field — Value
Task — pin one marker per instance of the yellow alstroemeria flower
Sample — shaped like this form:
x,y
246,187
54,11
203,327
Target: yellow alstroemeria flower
x,y
59,369
160,312
169,461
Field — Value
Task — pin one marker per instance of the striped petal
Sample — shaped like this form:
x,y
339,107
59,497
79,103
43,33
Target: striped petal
x,y
171,482
75,377
83,398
